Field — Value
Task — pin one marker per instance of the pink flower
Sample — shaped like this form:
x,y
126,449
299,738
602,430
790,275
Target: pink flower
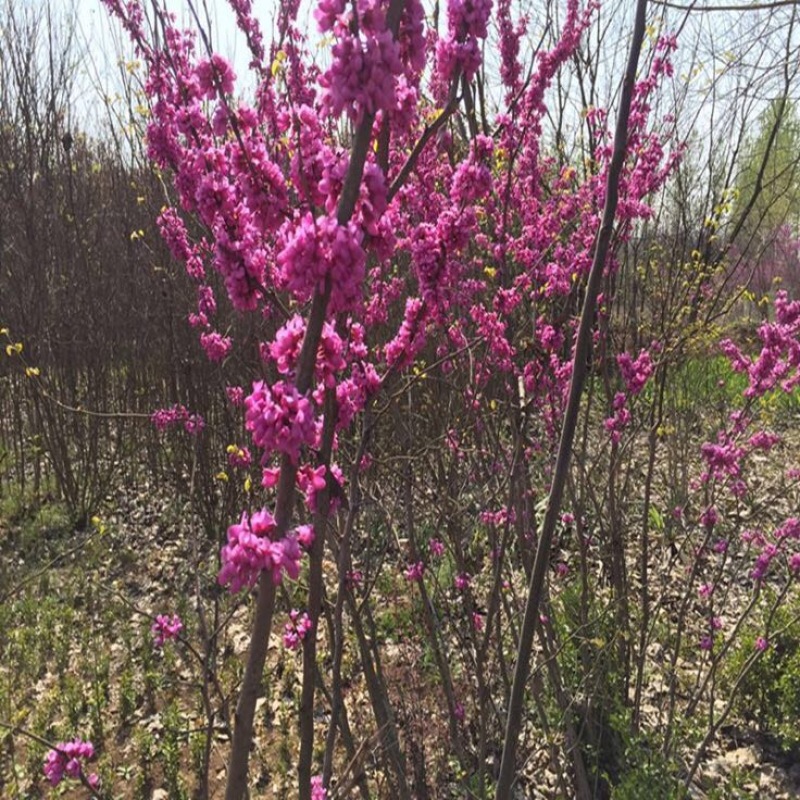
x,y
253,547
362,78
462,581
318,791
65,759
762,644
295,631
709,518
320,249
436,548
239,457
216,346
305,536
285,350
165,418
215,74
165,628
280,418
194,425
622,416
415,571
635,372
354,578
235,395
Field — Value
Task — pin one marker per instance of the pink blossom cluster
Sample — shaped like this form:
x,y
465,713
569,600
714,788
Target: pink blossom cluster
x,y
263,187
778,363
635,371
709,518
239,457
462,581
510,36
280,418
368,59
235,395
313,480
410,339
372,203
436,548
617,423
66,759
216,346
459,52
173,231
781,545
305,536
241,260
251,29
363,75
707,640
723,458
776,368
206,307
635,374
320,250
285,351
469,17
296,629
214,75
318,791
165,418
498,518
253,546
165,628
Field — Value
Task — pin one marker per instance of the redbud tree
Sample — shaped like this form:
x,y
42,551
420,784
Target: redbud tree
x,y
393,215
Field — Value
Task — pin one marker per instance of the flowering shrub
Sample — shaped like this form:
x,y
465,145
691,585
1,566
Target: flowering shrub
x,y
441,243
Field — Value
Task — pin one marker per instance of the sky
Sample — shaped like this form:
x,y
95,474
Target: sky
x,y
706,42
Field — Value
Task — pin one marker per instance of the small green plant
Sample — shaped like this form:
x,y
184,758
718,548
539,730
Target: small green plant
x,y
769,693
127,696
145,746
172,746
646,774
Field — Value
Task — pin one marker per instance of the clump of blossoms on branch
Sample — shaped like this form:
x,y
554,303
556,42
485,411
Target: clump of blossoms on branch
x,y
280,418
165,628
178,415
254,545
295,630
67,759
